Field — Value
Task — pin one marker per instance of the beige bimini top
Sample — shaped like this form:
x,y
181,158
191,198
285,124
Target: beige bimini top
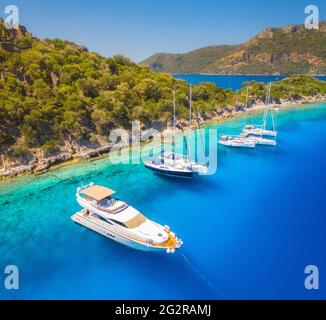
x,y
98,193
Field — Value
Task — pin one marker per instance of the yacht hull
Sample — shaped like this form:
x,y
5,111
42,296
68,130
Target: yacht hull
x,y
263,142
260,132
170,172
96,226
237,145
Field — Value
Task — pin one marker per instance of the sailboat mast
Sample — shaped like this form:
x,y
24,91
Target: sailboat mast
x,y
269,93
272,112
266,106
174,117
246,107
269,104
190,121
174,124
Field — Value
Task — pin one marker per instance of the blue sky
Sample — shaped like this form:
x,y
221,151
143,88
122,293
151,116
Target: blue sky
x,y
139,28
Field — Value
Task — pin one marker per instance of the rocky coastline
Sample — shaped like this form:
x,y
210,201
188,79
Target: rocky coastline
x,y
40,164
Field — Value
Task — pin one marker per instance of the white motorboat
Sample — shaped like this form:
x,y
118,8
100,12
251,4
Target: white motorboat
x,y
122,223
236,142
176,165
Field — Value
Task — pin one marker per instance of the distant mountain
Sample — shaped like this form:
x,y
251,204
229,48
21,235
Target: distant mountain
x,y
193,62
289,50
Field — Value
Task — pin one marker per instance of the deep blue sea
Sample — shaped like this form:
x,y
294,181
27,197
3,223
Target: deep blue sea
x,y
249,231
233,82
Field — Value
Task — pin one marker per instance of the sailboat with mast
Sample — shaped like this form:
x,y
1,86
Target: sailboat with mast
x,y
249,132
240,141
173,164
261,131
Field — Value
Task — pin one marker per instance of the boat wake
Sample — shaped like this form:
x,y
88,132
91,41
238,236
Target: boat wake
x,y
201,275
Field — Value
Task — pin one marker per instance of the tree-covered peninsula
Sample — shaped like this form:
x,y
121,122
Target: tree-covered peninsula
x,y
56,96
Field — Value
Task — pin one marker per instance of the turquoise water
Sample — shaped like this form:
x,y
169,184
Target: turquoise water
x,y
228,81
249,231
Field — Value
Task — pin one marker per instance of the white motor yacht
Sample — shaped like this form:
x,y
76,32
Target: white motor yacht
x,y
122,223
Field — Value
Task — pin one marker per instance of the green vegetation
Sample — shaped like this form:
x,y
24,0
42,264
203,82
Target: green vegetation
x,y
293,88
290,50
54,93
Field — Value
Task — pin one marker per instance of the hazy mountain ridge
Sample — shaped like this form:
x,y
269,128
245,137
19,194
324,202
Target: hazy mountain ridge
x,y
289,50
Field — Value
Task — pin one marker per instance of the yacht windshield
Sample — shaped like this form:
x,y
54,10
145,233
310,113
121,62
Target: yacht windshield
x,y
106,203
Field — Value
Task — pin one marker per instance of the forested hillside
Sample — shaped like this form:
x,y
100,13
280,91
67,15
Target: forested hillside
x,y
56,95
54,91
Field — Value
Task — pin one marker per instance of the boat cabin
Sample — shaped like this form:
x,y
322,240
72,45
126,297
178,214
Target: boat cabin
x,y
101,198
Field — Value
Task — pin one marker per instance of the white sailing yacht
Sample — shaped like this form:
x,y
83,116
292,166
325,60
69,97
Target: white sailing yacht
x,y
122,223
257,139
240,141
176,165
236,142
261,131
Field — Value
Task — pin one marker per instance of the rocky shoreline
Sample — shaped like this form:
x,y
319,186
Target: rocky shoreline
x,y
41,164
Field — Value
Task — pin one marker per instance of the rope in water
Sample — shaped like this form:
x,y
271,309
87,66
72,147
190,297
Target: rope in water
x,y
201,276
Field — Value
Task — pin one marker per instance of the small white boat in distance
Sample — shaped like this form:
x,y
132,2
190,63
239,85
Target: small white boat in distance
x,y
257,131
258,140
236,142
122,223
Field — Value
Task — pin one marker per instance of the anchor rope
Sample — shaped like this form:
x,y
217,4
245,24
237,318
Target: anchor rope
x,y
201,276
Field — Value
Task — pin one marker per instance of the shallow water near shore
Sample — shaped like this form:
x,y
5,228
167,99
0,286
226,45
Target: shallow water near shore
x,y
249,231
